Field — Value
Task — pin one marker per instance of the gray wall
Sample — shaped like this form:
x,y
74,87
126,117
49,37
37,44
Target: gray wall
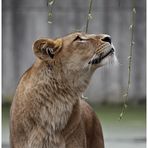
x,y
26,20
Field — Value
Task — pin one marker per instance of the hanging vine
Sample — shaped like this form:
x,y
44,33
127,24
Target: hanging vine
x,y
89,15
50,7
132,28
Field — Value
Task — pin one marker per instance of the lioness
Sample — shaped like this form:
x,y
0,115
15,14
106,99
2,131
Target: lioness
x,y
47,109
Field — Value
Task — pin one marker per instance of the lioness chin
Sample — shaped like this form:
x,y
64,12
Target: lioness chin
x,y
47,109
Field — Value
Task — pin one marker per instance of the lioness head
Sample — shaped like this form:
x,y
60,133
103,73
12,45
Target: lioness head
x,y
77,53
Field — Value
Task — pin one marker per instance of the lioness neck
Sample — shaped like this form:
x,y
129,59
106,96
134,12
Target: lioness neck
x,y
59,93
62,80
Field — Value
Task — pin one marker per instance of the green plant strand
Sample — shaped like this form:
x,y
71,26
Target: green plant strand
x,y
89,16
126,95
50,6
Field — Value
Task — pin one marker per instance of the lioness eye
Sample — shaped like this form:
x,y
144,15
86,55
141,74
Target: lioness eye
x,y
78,38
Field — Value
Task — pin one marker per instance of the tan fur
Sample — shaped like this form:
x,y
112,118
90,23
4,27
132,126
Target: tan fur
x,y
47,109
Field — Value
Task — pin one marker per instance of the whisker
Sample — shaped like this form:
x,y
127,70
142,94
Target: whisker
x,y
102,47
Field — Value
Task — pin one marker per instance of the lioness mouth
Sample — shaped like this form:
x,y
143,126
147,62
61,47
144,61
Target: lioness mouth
x,y
101,56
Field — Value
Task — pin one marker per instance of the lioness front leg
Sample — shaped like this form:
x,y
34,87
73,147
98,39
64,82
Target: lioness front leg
x,y
97,140
93,129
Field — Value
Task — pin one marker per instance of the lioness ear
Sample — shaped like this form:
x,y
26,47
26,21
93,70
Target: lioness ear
x,y
46,49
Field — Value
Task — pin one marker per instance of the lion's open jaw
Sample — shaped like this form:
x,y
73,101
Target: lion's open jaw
x,y
102,56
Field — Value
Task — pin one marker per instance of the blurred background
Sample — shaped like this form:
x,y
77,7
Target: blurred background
x,y
24,21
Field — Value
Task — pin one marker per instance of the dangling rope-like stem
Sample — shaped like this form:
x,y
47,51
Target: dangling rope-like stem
x,y
132,27
89,16
50,6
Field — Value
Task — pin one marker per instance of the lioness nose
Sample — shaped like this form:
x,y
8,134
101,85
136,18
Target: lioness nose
x,y
107,39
